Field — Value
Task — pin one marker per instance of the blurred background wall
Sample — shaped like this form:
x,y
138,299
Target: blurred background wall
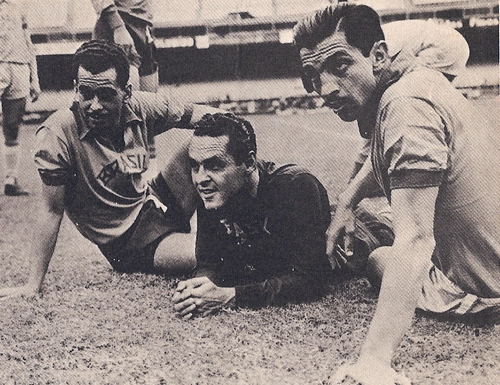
x,y
212,40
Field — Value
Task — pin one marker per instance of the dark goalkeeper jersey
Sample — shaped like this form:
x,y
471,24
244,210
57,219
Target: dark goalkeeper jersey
x,y
270,247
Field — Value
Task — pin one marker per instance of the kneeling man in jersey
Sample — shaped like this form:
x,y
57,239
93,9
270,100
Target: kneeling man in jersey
x,y
261,227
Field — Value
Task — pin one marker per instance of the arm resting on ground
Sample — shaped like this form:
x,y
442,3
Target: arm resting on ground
x,y
406,263
44,240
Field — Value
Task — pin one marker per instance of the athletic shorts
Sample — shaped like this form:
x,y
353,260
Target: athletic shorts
x,y
439,294
14,80
140,31
442,296
159,217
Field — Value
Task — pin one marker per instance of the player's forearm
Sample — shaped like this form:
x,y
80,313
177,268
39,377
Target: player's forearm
x,y
42,248
401,287
293,287
359,187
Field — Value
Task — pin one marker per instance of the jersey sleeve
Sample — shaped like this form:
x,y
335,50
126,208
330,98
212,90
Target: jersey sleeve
x,y
298,231
415,147
165,111
52,158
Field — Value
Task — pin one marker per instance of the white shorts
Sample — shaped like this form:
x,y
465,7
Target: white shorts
x,y
440,295
14,80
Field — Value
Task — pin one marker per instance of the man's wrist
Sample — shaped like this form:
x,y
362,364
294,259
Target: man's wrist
x,y
230,302
374,357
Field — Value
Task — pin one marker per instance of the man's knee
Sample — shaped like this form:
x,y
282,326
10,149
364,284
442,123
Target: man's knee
x,y
175,254
377,262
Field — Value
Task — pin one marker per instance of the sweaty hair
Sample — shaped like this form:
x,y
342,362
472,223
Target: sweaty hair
x,y
97,56
239,131
360,23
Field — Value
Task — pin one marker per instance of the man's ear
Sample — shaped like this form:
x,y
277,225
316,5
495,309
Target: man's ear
x,y
251,162
379,55
128,91
75,88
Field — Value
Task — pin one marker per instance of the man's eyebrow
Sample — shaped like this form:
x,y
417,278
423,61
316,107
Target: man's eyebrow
x,y
212,159
104,82
207,160
335,56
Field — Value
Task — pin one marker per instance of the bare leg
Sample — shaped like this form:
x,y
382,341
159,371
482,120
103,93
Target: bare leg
x,y
13,110
175,254
377,262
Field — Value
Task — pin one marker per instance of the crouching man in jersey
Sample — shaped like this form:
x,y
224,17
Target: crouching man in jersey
x,y
92,159
261,227
434,157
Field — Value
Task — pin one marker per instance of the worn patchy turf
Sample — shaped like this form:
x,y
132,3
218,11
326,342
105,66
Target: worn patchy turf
x,y
94,326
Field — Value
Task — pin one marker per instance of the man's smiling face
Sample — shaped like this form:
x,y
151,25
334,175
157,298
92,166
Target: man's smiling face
x,y
100,99
340,74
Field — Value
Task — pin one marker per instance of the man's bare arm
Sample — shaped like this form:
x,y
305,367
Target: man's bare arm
x,y
406,263
44,240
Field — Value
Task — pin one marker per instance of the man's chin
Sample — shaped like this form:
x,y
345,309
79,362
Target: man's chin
x,y
347,115
94,123
211,204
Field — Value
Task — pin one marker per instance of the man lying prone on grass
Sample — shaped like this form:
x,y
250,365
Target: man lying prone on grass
x,y
261,227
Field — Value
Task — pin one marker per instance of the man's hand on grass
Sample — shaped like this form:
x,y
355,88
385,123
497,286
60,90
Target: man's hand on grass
x,y
368,373
200,296
16,292
344,219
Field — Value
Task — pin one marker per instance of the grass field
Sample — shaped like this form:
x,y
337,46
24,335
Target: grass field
x,y
95,326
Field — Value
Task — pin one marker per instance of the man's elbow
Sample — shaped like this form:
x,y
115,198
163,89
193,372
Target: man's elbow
x,y
418,248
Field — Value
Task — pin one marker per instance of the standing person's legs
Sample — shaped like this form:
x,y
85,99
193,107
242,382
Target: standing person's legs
x,y
14,89
13,111
141,33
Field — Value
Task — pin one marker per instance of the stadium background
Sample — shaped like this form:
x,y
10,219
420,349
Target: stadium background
x,y
243,43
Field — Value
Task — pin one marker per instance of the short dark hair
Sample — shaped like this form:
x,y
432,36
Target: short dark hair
x,y
239,131
98,55
360,23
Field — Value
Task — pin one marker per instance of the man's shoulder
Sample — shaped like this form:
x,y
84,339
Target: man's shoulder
x,y
286,176
422,83
273,170
61,120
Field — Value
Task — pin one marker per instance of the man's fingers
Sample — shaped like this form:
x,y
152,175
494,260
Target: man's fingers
x,y
188,316
199,281
181,286
188,312
185,307
331,236
349,245
350,227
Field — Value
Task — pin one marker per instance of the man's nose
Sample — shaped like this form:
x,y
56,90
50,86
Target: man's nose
x,y
329,84
95,103
200,176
